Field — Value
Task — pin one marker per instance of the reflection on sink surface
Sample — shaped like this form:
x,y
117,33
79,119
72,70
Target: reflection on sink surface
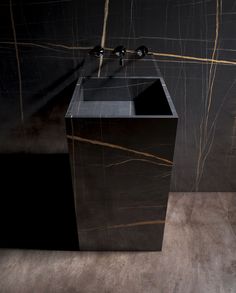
x,y
108,89
115,97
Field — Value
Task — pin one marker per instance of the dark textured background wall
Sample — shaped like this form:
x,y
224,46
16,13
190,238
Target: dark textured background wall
x,y
42,44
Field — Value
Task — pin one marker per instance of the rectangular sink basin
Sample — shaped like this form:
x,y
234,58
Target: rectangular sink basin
x,y
121,136
120,97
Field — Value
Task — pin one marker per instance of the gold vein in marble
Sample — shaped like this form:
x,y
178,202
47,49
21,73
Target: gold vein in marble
x,y
18,62
212,74
115,146
211,60
214,50
204,144
103,39
142,207
69,47
177,56
142,223
215,61
140,160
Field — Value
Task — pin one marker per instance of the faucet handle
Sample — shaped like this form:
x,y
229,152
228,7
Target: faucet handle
x,y
97,51
119,51
141,51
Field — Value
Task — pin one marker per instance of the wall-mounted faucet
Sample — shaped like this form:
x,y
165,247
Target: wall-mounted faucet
x,y
141,51
120,52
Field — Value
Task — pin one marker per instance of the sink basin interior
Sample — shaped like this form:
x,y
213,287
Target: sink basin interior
x,y
138,96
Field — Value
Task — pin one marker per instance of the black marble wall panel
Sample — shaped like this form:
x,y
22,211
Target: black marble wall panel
x,y
38,66
41,47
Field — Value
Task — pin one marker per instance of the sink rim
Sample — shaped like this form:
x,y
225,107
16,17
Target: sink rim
x,y
76,99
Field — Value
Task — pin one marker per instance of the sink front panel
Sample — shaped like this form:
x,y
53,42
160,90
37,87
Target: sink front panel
x,y
121,175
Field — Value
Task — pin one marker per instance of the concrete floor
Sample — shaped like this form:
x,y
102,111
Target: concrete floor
x,y
199,255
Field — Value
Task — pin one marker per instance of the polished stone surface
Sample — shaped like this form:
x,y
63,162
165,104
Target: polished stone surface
x,y
121,170
199,255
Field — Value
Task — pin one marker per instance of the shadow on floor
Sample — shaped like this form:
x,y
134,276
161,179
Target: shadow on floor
x,y
36,202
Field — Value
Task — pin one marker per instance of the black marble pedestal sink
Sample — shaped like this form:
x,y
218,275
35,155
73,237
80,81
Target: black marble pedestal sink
x,y
121,134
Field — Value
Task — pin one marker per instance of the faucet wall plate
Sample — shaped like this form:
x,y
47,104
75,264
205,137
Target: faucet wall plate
x,y
141,51
97,51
